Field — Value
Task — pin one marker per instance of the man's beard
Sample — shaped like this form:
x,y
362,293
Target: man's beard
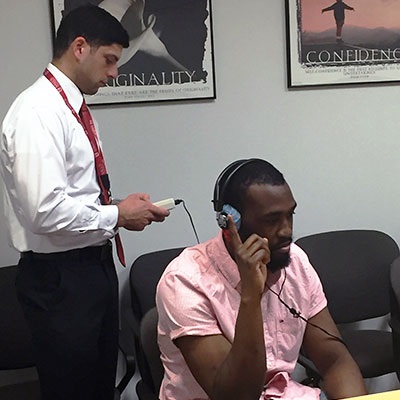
x,y
278,261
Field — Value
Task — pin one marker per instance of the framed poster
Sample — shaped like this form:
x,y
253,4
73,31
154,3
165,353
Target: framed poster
x,y
336,42
170,55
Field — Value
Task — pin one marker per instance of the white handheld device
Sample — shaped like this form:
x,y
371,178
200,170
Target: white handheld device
x,y
168,204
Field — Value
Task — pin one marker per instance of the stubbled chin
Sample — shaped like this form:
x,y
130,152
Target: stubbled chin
x,y
278,261
92,92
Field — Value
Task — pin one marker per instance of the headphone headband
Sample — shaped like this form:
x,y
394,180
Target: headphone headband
x,y
223,181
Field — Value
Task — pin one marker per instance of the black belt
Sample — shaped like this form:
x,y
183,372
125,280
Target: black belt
x,y
86,253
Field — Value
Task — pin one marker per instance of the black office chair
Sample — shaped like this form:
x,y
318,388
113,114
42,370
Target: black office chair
x,y
149,344
15,343
144,275
127,351
353,266
395,311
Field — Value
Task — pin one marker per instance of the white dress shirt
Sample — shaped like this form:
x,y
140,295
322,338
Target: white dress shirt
x,y
51,194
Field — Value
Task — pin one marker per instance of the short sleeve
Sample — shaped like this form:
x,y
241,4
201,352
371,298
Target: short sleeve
x,y
308,279
183,308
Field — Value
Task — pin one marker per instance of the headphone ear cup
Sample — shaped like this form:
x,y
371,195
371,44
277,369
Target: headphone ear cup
x,y
222,219
220,188
223,180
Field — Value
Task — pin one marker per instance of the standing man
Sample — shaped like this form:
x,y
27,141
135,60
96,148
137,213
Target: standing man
x,y
60,214
338,9
229,309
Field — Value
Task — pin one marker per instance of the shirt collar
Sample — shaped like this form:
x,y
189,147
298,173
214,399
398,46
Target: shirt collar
x,y
72,91
224,262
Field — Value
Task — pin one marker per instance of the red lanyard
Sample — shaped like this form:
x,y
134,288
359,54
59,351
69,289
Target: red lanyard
x,y
88,126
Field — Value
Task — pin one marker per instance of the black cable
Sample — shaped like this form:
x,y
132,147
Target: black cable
x,y
179,201
297,314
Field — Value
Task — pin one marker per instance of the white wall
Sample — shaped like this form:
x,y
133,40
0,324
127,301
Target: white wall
x,y
338,147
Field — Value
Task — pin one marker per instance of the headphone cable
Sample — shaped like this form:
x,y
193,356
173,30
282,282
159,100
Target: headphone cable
x,y
179,201
297,314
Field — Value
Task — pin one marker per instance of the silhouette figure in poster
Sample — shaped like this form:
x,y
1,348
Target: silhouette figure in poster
x,y
338,9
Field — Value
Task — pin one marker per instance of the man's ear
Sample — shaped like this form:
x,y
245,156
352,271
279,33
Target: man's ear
x,y
79,47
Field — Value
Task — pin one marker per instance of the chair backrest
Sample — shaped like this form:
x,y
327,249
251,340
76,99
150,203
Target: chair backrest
x,y
395,311
144,275
148,339
15,336
353,266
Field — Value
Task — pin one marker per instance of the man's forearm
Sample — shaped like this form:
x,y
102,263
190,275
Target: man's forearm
x,y
343,380
242,374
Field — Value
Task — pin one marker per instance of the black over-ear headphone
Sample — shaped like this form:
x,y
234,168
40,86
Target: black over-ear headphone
x,y
221,184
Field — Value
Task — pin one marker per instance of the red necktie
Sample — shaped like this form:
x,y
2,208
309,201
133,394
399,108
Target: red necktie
x,y
101,170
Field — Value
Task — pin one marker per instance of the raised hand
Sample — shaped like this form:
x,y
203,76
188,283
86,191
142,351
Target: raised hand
x,y
251,257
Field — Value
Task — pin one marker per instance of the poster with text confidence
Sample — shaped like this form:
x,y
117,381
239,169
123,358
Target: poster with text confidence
x,y
342,42
170,56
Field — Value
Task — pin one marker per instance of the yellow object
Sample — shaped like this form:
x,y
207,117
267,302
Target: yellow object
x,y
392,395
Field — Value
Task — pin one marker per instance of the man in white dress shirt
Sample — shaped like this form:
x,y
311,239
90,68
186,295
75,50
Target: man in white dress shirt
x,y
67,284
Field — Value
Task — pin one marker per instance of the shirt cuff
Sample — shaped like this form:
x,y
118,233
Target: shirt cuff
x,y
108,217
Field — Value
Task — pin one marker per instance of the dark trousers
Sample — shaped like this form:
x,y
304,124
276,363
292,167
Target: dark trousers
x,y
70,301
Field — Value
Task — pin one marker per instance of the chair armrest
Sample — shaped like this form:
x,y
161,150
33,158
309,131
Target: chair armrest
x,y
313,377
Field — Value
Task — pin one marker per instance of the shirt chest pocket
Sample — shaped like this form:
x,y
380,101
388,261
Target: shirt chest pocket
x,y
290,332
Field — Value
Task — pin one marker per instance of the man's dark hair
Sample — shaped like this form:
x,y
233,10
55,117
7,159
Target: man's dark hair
x,y
256,172
95,24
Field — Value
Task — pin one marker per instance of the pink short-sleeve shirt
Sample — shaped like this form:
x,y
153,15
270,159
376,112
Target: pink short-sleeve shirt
x,y
199,295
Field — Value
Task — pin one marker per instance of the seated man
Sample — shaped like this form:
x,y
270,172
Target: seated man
x,y
234,311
